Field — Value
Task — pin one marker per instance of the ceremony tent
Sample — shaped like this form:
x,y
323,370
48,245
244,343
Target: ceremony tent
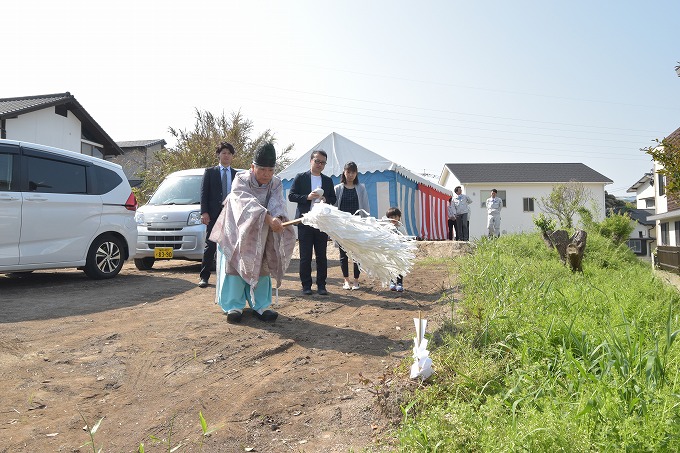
x,y
422,202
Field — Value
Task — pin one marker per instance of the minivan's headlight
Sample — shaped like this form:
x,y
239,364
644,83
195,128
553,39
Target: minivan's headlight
x,y
194,218
139,218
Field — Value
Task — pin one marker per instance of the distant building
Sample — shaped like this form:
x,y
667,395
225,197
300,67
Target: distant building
x,y
520,186
644,192
55,120
667,208
139,155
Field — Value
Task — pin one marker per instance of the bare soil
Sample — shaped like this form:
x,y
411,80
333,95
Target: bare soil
x,y
149,351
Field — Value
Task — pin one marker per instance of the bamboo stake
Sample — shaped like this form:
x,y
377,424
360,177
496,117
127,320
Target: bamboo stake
x,y
420,327
292,222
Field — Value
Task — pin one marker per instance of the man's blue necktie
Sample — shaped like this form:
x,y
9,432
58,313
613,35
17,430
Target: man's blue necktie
x,y
225,187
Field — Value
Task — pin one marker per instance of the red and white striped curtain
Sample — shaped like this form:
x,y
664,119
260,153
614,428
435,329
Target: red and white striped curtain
x,y
432,213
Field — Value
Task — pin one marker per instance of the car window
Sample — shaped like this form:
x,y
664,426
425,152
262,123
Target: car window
x,y
106,180
6,165
9,168
54,176
178,190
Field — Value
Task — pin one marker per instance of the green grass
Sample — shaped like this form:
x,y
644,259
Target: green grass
x,y
543,359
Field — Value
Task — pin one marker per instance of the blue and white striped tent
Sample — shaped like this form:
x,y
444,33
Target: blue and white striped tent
x,y
422,202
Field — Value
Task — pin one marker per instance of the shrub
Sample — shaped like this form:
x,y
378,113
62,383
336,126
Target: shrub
x,y
544,223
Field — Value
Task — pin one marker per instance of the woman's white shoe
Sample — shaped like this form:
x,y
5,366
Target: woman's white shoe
x,y
346,286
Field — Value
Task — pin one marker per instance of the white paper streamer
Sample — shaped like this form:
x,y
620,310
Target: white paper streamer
x,y
375,245
422,364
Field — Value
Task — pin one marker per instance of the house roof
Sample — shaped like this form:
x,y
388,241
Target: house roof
x,y
641,215
525,172
13,107
641,182
674,137
142,143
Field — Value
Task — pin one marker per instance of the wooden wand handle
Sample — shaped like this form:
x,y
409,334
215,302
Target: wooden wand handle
x,y
292,222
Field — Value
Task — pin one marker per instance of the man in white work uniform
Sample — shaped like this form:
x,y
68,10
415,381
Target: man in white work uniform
x,y
493,209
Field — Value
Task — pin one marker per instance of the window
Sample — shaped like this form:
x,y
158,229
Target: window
x,y
9,168
649,203
54,176
106,180
528,204
677,233
662,184
664,239
6,165
90,150
484,194
635,245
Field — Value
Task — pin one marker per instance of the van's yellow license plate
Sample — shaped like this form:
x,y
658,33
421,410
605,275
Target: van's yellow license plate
x,y
162,253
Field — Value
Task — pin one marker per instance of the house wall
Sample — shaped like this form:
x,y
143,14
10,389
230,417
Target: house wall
x,y
513,217
670,222
136,160
46,128
660,201
644,193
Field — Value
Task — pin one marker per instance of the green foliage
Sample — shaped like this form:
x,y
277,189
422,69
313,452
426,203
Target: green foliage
x,y
196,148
611,202
667,153
91,431
564,201
205,430
587,220
616,226
544,223
543,359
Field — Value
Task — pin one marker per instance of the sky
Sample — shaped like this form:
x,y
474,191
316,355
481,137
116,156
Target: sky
x,y
422,83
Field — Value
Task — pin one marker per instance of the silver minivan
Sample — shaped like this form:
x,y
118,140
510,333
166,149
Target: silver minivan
x,y
61,209
169,225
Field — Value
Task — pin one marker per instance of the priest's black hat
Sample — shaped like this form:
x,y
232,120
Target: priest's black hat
x,y
265,156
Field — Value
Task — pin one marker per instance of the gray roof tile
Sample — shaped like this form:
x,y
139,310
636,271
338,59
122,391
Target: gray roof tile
x,y
525,172
141,143
16,106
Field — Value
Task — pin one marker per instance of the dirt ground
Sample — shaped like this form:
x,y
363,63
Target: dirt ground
x,y
149,351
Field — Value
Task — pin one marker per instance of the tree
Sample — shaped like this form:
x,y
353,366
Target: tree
x,y
564,201
611,202
667,153
196,148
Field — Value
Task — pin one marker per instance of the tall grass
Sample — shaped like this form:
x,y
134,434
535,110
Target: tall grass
x,y
543,359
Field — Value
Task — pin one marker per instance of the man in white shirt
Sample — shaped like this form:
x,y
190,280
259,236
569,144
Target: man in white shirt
x,y
461,203
493,209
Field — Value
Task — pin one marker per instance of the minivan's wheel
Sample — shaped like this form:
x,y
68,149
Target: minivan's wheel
x,y
105,257
145,264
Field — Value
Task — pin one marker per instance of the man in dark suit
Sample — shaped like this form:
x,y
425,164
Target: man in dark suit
x,y
304,192
214,189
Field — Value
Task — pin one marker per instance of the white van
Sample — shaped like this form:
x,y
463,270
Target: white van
x,y
60,209
169,225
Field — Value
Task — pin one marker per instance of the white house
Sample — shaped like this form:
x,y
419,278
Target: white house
x,y
520,186
667,216
642,240
644,192
55,120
